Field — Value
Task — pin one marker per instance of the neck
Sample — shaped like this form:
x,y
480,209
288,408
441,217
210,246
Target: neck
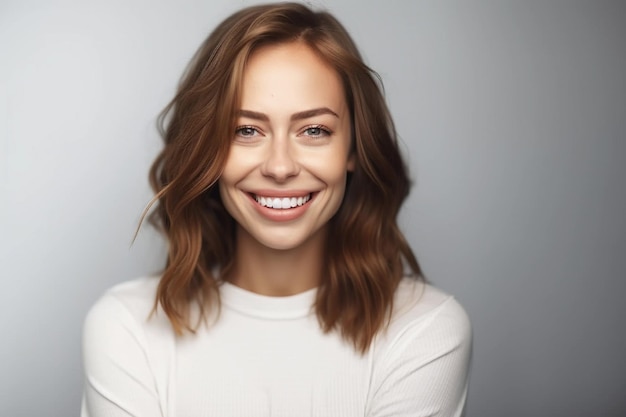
x,y
273,272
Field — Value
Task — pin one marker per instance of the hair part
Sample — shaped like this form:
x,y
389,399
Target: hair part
x,y
366,253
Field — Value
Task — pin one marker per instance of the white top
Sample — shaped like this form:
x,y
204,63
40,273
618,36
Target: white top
x,y
266,356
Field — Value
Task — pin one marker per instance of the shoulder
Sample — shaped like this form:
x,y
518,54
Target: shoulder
x,y
131,299
127,348
426,323
421,360
124,310
420,307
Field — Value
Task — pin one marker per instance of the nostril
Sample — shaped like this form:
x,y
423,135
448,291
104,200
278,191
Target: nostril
x,y
280,165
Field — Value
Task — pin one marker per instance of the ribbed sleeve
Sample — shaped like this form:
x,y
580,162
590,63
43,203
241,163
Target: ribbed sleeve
x,y
119,381
424,369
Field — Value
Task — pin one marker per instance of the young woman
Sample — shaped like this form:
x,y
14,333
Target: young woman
x,y
289,289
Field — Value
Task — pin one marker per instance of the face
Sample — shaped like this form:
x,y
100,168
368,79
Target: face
x,y
285,175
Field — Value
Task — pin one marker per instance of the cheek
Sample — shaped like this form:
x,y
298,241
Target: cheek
x,y
228,176
228,195
235,168
332,167
231,175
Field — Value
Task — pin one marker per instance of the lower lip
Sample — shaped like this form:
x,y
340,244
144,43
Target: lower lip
x,y
281,215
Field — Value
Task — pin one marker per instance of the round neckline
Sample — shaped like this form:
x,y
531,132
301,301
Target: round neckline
x,y
265,306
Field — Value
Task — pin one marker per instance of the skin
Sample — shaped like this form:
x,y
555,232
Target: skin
x,y
292,140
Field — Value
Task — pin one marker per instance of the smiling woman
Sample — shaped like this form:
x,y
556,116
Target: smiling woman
x,y
289,289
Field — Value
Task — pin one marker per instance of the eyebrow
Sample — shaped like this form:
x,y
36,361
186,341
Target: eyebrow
x,y
296,116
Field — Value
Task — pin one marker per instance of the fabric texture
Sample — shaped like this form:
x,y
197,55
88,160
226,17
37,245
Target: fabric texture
x,y
266,356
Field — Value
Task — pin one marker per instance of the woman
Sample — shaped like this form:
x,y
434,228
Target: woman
x,y
289,289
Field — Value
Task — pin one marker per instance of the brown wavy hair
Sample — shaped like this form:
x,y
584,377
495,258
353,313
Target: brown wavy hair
x,y
366,255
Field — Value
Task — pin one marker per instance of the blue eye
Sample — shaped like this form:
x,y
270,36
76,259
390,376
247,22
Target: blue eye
x,y
246,131
316,131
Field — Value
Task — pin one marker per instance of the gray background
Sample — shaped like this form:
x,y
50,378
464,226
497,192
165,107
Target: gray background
x,y
513,115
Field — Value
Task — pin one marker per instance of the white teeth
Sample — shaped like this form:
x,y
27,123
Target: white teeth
x,y
282,203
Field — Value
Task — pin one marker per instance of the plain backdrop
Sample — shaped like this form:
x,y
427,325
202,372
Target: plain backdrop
x,y
512,115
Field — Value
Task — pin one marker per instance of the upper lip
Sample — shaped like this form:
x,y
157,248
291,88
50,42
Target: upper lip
x,y
281,193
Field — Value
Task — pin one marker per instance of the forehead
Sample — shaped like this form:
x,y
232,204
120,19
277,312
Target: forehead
x,y
290,74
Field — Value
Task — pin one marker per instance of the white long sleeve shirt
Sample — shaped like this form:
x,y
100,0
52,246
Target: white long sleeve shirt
x,y
267,357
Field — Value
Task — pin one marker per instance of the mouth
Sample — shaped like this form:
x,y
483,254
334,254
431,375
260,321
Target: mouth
x,y
282,203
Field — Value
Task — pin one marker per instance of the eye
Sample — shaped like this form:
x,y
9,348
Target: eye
x,y
317,131
246,131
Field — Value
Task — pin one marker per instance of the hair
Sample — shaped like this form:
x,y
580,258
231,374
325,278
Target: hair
x,y
366,255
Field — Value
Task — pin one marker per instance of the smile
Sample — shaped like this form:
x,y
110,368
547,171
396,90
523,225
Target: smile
x,y
281,203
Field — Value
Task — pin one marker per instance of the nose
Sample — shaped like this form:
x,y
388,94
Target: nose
x,y
280,163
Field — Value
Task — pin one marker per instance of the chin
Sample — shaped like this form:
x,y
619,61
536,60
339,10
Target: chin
x,y
284,243
284,240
